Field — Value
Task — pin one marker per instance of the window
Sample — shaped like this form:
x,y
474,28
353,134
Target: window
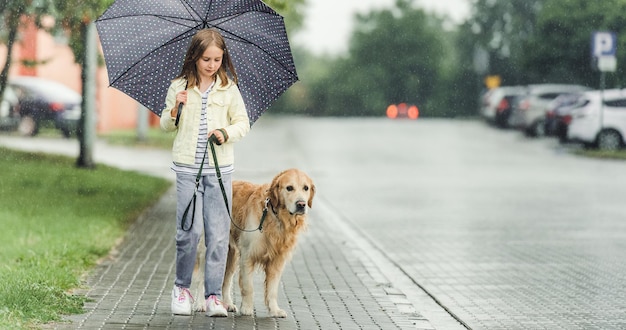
x,y
617,103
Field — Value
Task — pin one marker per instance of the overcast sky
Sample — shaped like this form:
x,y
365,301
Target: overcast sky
x,y
328,23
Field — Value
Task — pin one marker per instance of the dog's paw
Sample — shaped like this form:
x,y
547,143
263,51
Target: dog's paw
x,y
231,308
278,313
199,306
247,310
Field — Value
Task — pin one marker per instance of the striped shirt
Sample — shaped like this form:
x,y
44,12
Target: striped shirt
x,y
202,148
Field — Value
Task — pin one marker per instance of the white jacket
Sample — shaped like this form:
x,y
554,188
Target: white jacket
x,y
225,109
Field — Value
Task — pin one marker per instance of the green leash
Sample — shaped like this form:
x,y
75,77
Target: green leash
x,y
211,141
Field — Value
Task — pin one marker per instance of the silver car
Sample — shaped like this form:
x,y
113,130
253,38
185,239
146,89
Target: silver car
x,y
529,113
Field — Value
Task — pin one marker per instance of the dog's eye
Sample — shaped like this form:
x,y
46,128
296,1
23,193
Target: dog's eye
x,y
289,188
306,188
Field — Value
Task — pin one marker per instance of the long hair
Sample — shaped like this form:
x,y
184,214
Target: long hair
x,y
199,43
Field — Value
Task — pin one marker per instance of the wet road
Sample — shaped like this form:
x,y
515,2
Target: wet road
x,y
503,231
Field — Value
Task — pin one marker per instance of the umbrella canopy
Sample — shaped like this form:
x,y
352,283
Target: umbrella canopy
x,y
145,42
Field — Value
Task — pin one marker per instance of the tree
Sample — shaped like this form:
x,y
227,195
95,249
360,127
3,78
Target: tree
x,y
291,11
76,17
559,50
501,28
394,56
11,13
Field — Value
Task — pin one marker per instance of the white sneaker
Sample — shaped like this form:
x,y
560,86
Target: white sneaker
x,y
181,301
215,308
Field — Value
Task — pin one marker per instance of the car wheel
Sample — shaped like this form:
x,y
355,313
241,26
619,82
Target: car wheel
x,y
66,133
539,129
27,126
609,140
561,132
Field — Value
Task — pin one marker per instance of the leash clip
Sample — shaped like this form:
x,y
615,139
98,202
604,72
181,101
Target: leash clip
x,y
267,201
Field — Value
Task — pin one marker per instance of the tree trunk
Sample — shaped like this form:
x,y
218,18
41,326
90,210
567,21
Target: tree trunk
x,y
87,124
4,75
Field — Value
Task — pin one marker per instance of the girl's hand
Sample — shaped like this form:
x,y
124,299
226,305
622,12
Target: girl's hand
x,y
181,98
219,135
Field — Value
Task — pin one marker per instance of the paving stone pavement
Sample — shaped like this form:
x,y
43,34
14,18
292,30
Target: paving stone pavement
x,y
334,280
325,286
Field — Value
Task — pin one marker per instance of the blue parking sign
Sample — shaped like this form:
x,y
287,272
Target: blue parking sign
x,y
603,44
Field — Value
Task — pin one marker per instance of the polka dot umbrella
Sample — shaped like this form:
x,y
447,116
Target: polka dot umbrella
x,y
144,44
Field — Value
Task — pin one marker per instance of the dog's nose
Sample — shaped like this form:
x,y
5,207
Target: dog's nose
x,y
300,205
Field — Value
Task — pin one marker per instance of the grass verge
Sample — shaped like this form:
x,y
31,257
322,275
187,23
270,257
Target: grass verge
x,y
57,221
155,138
602,154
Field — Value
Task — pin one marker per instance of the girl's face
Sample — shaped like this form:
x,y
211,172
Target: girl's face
x,y
208,64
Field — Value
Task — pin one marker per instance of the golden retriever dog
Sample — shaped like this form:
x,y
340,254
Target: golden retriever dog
x,y
265,245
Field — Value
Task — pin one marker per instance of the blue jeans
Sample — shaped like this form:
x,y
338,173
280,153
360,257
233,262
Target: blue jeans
x,y
211,214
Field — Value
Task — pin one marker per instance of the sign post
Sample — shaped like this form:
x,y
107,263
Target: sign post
x,y
603,49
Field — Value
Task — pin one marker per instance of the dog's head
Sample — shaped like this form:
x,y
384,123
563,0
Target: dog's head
x,y
293,190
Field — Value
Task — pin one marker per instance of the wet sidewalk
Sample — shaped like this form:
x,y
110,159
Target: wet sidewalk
x,y
322,288
335,280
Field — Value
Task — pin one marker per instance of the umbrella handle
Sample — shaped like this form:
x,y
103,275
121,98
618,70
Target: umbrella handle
x,y
180,109
180,106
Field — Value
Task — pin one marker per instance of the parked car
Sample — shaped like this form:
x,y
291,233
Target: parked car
x,y
9,109
600,121
558,114
497,104
529,113
42,100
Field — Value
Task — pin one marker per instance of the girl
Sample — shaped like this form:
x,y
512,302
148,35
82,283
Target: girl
x,y
212,106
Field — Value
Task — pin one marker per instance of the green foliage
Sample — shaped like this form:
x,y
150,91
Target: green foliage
x,y
404,54
500,28
395,56
74,15
561,42
291,10
57,222
155,138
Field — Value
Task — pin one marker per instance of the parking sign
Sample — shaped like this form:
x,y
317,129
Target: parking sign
x,y
604,44
603,49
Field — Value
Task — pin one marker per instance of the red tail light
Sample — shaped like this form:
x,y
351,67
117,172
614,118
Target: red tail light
x,y
567,119
550,114
56,107
503,105
392,111
413,112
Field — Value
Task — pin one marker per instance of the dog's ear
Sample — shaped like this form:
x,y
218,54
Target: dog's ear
x,y
312,187
274,190
274,198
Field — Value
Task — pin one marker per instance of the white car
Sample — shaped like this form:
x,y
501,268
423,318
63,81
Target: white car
x,y
600,124
498,99
496,104
9,115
